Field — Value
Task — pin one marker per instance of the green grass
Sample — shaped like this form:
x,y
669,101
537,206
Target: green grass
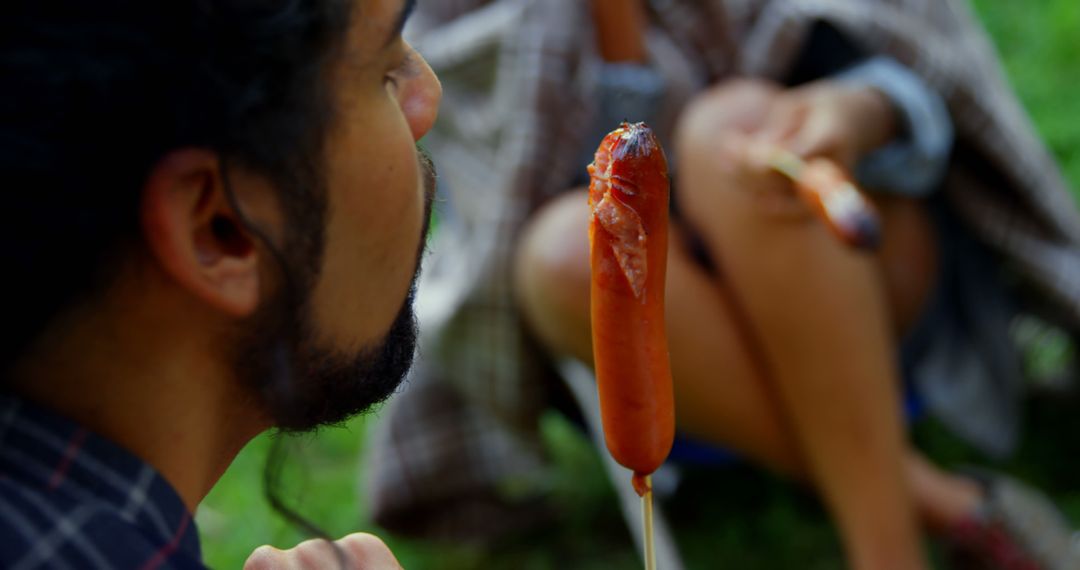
x,y
733,518
1037,41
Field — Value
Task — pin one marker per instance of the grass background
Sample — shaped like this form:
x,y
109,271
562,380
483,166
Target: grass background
x,y
732,518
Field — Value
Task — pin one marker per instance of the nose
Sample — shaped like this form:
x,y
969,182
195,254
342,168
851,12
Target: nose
x,y
420,101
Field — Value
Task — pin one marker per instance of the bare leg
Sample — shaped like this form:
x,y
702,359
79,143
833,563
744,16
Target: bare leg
x,y
819,312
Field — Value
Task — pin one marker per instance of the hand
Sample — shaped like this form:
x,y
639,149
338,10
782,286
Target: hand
x,y
729,132
826,118
361,550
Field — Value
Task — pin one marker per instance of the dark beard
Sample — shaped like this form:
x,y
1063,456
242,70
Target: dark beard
x,y
329,387
303,386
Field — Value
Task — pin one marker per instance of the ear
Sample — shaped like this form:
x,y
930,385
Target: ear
x,y
194,234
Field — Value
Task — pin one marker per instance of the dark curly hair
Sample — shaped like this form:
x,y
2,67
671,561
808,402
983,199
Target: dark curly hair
x,y
93,94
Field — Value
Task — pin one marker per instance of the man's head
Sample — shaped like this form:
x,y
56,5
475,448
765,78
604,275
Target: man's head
x,y
245,169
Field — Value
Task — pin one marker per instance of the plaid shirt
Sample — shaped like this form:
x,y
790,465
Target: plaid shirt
x,y
71,499
458,450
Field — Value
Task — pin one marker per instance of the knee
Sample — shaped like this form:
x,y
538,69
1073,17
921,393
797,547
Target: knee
x,y
715,126
719,180
551,274
740,104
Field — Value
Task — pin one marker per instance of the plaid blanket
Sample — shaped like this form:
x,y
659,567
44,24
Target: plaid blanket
x,y
458,453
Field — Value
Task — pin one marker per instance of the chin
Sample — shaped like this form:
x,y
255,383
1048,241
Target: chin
x,y
304,386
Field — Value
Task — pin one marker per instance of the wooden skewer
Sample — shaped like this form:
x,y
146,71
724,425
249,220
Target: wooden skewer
x,y
786,162
647,521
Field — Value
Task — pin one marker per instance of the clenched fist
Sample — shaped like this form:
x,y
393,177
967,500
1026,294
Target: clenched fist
x,y
361,551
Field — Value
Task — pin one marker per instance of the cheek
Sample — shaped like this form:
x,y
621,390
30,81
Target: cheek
x,y
373,233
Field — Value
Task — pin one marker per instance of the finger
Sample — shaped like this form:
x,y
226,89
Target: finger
x,y
736,163
812,137
314,554
785,118
823,135
265,558
367,551
722,156
773,193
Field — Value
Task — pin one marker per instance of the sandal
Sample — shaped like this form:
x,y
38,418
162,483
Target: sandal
x,y
1015,528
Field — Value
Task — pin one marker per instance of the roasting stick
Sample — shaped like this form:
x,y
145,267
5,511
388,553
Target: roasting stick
x,y
785,162
647,522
